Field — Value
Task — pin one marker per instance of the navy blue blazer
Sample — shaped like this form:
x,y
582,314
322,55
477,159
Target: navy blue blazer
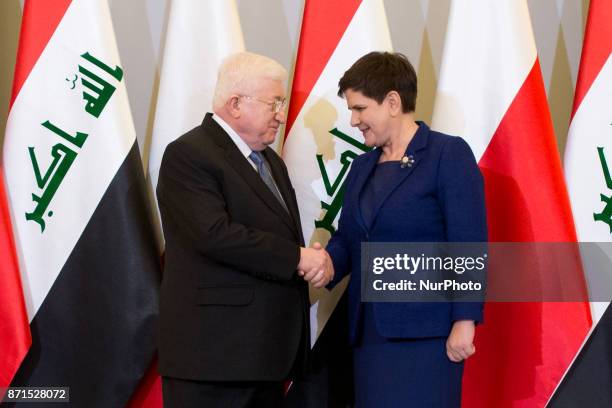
x,y
440,198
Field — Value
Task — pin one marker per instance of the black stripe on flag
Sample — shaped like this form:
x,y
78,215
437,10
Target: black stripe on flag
x,y
95,331
588,383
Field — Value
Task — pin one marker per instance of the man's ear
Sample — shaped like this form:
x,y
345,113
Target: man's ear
x,y
394,101
233,106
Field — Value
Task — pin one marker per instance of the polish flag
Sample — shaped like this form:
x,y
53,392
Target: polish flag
x,y
193,52
491,93
200,35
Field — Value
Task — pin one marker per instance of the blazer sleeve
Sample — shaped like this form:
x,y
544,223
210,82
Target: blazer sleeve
x,y
339,244
462,200
191,200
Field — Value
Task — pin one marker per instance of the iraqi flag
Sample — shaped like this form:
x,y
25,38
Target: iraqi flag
x,y
319,148
87,256
588,157
200,35
491,93
589,142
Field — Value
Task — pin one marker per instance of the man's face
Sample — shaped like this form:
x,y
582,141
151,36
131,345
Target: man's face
x,y
258,124
369,116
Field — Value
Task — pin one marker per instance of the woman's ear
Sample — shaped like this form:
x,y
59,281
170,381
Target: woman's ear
x,y
394,102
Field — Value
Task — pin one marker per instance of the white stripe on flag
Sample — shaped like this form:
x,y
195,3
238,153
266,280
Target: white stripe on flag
x,y
494,42
200,35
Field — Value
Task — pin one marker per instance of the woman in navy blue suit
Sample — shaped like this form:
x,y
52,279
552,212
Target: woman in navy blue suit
x,y
416,186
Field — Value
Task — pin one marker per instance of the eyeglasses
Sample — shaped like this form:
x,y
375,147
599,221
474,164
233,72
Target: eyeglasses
x,y
277,105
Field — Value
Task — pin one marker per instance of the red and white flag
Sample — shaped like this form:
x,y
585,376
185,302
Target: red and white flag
x,y
320,143
200,35
491,93
15,336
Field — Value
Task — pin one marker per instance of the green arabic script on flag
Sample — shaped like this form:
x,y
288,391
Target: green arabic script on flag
x,y
100,92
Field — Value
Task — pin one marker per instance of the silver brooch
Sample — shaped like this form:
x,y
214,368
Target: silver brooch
x,y
406,161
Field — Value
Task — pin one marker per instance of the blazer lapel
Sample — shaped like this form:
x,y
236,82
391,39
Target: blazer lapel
x,y
362,178
414,154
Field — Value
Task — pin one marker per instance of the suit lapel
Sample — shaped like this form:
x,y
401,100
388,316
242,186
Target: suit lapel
x,y
244,169
284,186
360,181
414,153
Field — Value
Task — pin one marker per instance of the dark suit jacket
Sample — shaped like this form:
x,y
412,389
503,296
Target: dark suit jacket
x,y
440,198
232,306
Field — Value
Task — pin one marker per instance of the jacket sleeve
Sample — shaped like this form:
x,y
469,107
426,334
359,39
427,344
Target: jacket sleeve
x,y
461,195
193,208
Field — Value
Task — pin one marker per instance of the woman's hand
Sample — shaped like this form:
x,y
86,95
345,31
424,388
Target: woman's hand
x,y
460,342
316,266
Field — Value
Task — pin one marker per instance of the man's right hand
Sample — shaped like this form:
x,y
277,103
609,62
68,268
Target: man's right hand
x,y
316,266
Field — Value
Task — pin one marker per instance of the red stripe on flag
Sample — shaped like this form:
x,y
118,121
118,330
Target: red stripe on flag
x,y
149,392
15,338
40,19
596,49
523,349
323,24
526,196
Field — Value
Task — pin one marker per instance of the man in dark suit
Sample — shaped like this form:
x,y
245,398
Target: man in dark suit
x,y
234,321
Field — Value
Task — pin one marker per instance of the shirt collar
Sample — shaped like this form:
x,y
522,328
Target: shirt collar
x,y
242,146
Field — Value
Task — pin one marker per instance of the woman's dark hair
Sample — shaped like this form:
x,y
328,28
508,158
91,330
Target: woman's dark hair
x,y
378,73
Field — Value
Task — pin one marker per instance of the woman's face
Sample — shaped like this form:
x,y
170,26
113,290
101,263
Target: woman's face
x,y
371,117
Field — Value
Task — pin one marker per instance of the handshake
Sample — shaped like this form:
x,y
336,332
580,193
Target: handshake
x,y
316,266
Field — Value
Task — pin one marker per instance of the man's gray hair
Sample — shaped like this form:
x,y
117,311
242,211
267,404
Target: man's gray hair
x,y
238,70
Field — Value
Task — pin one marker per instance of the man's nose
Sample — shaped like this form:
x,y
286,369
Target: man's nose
x,y
281,115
